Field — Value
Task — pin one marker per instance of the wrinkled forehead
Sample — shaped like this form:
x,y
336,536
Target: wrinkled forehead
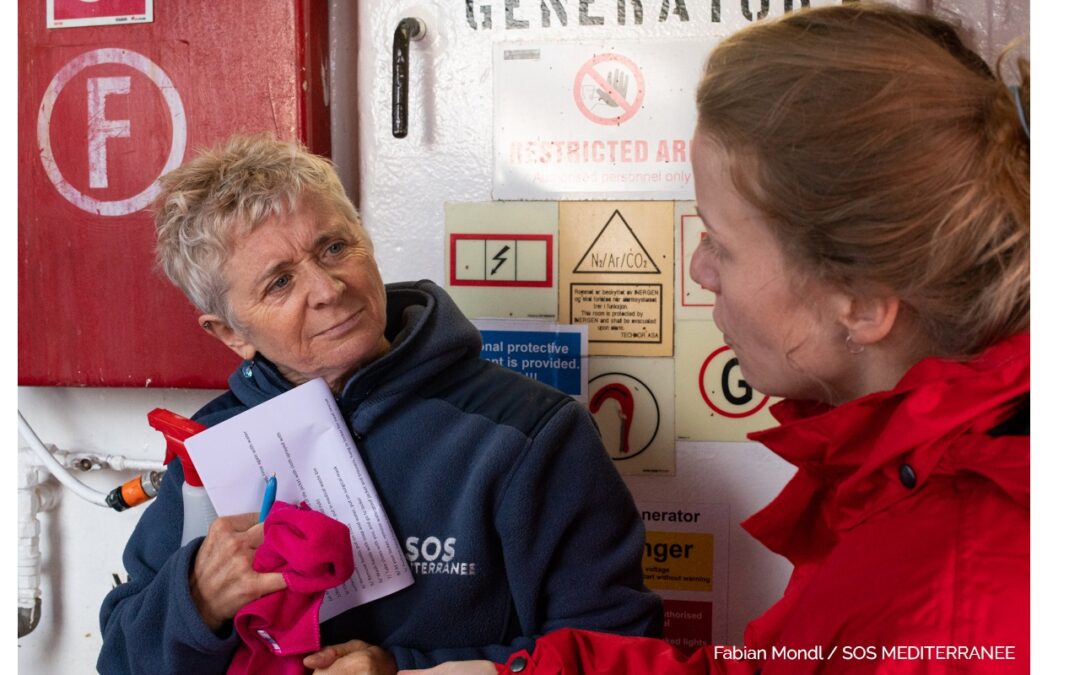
x,y
327,207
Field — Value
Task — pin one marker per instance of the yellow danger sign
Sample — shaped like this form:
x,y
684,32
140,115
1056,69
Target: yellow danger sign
x,y
678,561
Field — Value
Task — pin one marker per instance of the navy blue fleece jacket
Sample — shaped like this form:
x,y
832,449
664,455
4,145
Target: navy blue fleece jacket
x,y
512,516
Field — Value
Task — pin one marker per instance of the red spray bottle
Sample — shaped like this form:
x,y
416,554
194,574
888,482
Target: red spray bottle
x,y
198,510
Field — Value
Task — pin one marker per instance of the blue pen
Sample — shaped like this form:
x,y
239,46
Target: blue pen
x,y
268,497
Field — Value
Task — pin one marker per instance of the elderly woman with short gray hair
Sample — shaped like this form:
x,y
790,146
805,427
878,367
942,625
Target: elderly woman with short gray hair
x,y
507,473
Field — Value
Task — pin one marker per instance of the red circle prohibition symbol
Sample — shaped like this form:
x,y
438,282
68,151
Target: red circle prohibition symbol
x,y
628,109
705,395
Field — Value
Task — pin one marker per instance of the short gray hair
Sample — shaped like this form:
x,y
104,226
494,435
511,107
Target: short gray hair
x,y
226,192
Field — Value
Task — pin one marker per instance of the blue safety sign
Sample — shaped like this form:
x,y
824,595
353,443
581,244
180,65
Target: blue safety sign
x,y
555,354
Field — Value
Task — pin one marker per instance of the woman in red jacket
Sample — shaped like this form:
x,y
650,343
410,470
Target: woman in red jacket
x,y
863,178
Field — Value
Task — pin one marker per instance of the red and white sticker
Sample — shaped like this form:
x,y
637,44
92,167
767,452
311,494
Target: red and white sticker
x,y
723,388
609,89
508,260
626,412
100,128
72,13
691,232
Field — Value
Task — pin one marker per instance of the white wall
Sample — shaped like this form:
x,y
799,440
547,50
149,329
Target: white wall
x,y
82,544
402,186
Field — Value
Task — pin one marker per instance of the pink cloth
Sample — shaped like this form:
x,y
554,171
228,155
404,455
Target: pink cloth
x,y
314,553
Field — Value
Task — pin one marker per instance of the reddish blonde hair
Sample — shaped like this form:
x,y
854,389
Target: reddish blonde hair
x,y
883,151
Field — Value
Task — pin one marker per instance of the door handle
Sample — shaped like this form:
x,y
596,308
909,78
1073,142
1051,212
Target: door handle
x,y
407,30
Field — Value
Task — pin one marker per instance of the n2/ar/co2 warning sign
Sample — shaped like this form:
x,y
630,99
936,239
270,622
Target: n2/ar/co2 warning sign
x,y
616,264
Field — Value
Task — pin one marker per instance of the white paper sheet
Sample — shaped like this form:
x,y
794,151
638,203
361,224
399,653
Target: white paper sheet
x,y
302,437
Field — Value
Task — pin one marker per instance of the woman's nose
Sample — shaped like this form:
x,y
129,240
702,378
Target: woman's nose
x,y
324,287
702,271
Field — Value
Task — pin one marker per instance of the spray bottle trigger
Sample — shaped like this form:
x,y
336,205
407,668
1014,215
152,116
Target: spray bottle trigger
x,y
176,430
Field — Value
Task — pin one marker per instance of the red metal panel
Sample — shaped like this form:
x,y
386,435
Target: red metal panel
x,y
98,102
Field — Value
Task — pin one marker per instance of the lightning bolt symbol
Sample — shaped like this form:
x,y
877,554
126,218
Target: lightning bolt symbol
x,y
499,256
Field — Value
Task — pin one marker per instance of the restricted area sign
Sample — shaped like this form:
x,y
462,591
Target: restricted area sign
x,y
715,402
595,119
609,89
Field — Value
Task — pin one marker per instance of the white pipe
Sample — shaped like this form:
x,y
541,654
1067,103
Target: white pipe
x,y
35,495
115,462
56,468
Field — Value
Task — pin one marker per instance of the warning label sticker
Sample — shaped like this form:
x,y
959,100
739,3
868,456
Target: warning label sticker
x,y
618,313
688,624
691,300
616,264
522,260
631,401
715,402
679,561
685,560
612,97
616,249
500,258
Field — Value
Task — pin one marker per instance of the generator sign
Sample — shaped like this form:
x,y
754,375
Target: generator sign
x,y
520,15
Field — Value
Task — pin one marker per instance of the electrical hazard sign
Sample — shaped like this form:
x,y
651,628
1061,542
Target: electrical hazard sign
x,y
522,260
715,402
616,262
631,401
500,258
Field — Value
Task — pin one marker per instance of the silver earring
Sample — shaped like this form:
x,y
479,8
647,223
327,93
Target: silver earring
x,y
852,346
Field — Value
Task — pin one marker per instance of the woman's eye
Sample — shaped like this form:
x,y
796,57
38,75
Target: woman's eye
x,y
280,282
335,248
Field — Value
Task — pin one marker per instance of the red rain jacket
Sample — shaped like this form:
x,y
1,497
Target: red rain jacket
x,y
908,526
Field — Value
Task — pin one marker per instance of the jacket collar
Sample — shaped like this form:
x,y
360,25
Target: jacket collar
x,y
850,458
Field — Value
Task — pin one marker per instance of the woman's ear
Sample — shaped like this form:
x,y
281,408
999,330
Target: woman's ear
x,y
229,336
870,316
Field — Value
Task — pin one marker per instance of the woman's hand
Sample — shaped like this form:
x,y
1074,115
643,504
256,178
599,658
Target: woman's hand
x,y
457,668
354,657
222,580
